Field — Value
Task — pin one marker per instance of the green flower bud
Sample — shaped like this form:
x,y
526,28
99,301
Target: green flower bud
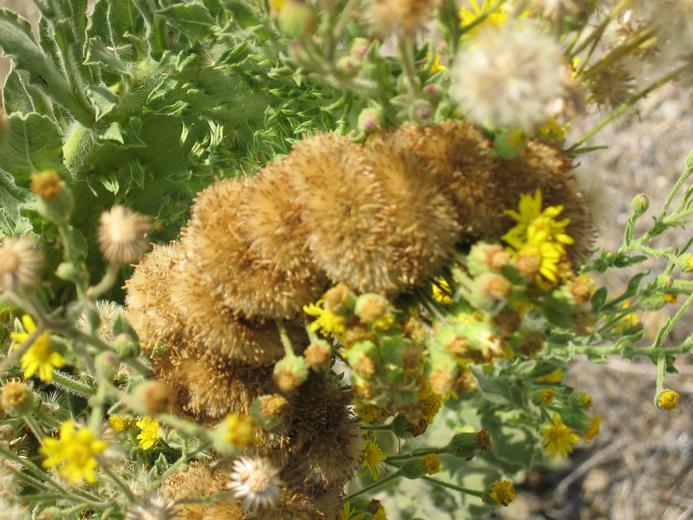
x,y
55,201
125,346
348,66
340,300
290,373
509,143
107,364
413,469
370,120
296,19
67,271
484,257
371,307
17,399
270,411
467,444
490,291
639,205
318,355
359,48
361,358
433,90
421,111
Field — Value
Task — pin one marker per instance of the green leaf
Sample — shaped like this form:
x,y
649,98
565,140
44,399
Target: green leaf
x,y
193,20
598,299
17,42
35,144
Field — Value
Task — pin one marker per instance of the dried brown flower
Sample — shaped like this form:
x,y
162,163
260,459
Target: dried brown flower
x,y
123,235
20,263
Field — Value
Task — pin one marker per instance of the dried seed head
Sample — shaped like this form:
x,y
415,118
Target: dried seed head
x,y
20,263
123,235
256,482
153,397
399,17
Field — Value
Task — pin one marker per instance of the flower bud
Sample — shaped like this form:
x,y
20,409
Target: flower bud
x,y
416,468
17,399
686,263
581,289
422,111
484,257
509,143
348,66
370,307
125,346
668,399
152,397
54,199
340,300
433,90
639,205
236,432
67,271
270,411
359,48
466,445
106,364
318,355
370,120
296,19
290,373
361,359
492,288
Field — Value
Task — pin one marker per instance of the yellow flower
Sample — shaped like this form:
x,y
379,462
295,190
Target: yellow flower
x,y
592,429
502,492
559,439
73,453
442,292
549,255
327,322
432,463
372,457
546,396
552,131
630,320
119,423
380,514
536,225
495,19
552,377
239,430
149,432
437,66
668,399
40,356
586,400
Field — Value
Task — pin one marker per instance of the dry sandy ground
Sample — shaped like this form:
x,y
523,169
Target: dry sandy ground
x,y
641,465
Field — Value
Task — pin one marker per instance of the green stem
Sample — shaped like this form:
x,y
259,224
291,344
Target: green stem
x,y
286,342
71,384
34,427
375,485
406,52
466,491
109,278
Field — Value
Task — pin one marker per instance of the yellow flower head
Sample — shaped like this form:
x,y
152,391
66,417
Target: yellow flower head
x,y
119,423
239,430
149,432
559,439
327,322
40,356
586,400
372,457
552,377
592,429
502,492
442,292
546,396
73,453
552,131
668,399
432,463
496,19
380,514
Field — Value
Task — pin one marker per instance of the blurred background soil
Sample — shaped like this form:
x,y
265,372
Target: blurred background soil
x,y
641,465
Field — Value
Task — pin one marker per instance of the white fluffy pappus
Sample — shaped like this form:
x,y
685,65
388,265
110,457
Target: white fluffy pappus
x,y
509,77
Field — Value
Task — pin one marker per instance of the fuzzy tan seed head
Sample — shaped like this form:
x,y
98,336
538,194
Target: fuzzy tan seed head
x,y
123,235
